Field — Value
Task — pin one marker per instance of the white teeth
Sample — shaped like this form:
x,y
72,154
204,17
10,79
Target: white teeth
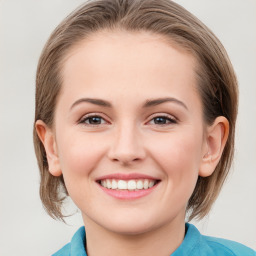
x,y
131,185
114,184
139,184
145,184
103,183
151,184
109,184
121,184
128,184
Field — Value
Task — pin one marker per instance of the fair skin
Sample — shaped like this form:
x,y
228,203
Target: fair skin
x,y
110,124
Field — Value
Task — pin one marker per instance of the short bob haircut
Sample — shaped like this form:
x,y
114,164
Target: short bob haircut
x,y
216,80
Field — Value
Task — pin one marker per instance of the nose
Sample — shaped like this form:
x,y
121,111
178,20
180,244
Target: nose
x,y
127,146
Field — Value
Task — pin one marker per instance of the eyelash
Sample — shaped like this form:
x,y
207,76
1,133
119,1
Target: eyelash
x,y
166,118
90,117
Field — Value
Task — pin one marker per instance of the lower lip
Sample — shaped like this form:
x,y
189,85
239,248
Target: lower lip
x,y
128,195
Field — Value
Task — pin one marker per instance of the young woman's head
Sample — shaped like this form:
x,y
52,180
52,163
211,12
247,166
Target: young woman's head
x,y
131,94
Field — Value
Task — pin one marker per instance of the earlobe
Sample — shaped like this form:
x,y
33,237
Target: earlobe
x,y
47,138
215,139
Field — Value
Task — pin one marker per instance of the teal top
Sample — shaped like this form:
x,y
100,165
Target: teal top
x,y
194,244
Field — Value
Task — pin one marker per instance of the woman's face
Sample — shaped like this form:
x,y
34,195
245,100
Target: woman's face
x,y
129,133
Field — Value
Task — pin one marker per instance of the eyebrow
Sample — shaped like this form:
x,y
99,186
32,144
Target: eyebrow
x,y
148,103
154,102
98,102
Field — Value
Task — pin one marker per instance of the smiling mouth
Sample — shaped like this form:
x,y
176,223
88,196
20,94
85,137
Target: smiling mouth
x,y
128,185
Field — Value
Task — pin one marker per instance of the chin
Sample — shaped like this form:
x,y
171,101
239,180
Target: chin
x,y
131,229
130,223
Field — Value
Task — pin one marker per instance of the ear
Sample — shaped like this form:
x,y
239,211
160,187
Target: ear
x,y
47,138
215,141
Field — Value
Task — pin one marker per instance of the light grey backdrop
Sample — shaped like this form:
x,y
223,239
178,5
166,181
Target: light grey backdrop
x,y
25,229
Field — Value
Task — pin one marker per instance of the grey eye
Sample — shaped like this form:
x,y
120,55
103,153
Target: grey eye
x,y
93,120
162,120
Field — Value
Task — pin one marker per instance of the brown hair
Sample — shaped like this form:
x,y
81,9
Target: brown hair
x,y
217,82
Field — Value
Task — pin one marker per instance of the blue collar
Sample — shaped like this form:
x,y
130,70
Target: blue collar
x,y
78,242
194,244
191,240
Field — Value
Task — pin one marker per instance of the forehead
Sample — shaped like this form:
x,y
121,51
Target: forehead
x,y
122,46
128,62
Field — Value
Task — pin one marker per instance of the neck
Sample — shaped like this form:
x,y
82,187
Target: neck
x,y
162,241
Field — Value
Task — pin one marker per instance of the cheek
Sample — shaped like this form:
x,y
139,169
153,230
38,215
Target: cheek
x,y
178,151
78,158
179,156
79,155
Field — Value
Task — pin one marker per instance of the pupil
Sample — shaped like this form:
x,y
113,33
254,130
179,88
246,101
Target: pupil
x,y
95,120
160,120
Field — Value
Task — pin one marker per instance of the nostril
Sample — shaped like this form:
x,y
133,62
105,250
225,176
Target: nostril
x,y
125,156
126,150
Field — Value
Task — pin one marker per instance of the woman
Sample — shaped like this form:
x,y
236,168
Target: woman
x,y
136,104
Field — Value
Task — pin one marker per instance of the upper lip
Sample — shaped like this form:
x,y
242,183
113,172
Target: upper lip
x,y
126,176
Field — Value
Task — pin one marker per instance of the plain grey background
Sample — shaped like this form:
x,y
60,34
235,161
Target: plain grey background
x,y
25,229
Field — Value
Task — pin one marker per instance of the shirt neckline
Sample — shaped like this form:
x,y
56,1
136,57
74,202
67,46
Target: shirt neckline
x,y
191,240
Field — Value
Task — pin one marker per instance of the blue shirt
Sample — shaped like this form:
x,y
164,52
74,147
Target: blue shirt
x,y
194,244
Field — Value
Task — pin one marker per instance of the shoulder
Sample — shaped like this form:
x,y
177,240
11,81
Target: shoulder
x,y
195,244
64,251
219,245
75,247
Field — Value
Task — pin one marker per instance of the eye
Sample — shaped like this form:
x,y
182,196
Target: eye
x,y
163,120
93,120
